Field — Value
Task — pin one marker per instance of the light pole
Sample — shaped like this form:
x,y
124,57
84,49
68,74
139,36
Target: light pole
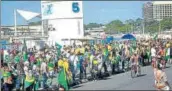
x,y
159,20
143,26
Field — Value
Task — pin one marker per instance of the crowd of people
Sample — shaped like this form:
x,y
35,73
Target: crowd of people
x,y
34,69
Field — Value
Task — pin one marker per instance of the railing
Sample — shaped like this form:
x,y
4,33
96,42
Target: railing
x,y
24,34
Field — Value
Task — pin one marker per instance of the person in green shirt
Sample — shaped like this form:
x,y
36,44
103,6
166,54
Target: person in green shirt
x,y
7,79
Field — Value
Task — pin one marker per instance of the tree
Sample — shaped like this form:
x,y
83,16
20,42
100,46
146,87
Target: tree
x,y
35,23
152,26
138,22
116,25
166,23
92,25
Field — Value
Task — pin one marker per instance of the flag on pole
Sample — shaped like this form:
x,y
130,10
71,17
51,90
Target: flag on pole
x,y
25,57
155,36
58,46
27,15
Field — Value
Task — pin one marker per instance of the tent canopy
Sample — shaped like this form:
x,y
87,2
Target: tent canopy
x,y
128,36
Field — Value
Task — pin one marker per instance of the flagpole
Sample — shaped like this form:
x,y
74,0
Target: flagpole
x,y
15,23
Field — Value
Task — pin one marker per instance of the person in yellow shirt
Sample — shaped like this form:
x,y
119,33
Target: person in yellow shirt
x,y
109,48
82,50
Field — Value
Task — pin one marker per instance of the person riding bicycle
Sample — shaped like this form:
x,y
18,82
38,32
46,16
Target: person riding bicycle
x,y
135,60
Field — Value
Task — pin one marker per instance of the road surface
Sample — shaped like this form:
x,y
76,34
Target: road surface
x,y
124,81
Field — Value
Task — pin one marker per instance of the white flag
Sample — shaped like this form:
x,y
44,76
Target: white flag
x,y
27,15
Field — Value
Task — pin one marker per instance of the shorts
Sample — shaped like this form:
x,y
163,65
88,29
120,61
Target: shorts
x,y
135,63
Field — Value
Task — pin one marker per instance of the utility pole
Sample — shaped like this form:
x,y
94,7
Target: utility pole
x,y
15,23
159,26
143,25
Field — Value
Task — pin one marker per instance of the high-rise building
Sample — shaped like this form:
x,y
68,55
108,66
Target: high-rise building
x,y
162,9
148,12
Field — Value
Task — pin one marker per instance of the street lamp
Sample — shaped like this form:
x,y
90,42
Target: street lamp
x,y
159,20
143,25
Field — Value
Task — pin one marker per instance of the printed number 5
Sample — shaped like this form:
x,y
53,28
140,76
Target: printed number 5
x,y
75,7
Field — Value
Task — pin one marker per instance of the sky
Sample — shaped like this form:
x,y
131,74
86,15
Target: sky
x,y
94,11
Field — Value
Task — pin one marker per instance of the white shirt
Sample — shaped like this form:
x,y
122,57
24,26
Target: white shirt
x,y
168,51
26,71
75,60
43,67
34,67
48,56
153,52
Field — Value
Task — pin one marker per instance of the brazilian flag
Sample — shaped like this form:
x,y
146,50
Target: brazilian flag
x,y
38,62
29,81
58,46
50,66
62,79
25,57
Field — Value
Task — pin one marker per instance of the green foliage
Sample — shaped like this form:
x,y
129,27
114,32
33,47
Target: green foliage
x,y
152,26
35,23
134,25
166,23
115,25
92,25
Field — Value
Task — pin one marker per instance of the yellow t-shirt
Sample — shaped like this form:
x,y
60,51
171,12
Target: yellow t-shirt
x,y
77,50
167,45
95,62
30,79
66,65
109,48
82,50
60,63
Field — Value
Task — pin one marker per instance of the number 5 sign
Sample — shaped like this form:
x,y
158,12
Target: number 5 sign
x,y
75,7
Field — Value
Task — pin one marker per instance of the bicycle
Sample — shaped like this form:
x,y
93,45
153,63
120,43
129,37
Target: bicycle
x,y
134,70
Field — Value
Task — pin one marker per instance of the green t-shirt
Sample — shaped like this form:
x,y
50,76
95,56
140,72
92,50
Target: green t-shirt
x,y
17,59
6,75
25,57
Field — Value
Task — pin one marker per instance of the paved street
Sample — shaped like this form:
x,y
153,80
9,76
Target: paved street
x,y
125,82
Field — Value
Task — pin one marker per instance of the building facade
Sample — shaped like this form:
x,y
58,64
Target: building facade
x,y
162,9
148,12
157,10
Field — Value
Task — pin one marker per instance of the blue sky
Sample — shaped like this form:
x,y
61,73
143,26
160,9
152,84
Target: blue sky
x,y
94,11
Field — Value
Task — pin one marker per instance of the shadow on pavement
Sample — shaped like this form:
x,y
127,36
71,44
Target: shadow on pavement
x,y
167,67
77,86
142,75
106,78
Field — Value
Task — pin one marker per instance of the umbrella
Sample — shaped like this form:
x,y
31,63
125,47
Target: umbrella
x,y
129,36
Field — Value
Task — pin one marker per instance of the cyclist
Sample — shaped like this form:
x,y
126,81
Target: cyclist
x,y
134,61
